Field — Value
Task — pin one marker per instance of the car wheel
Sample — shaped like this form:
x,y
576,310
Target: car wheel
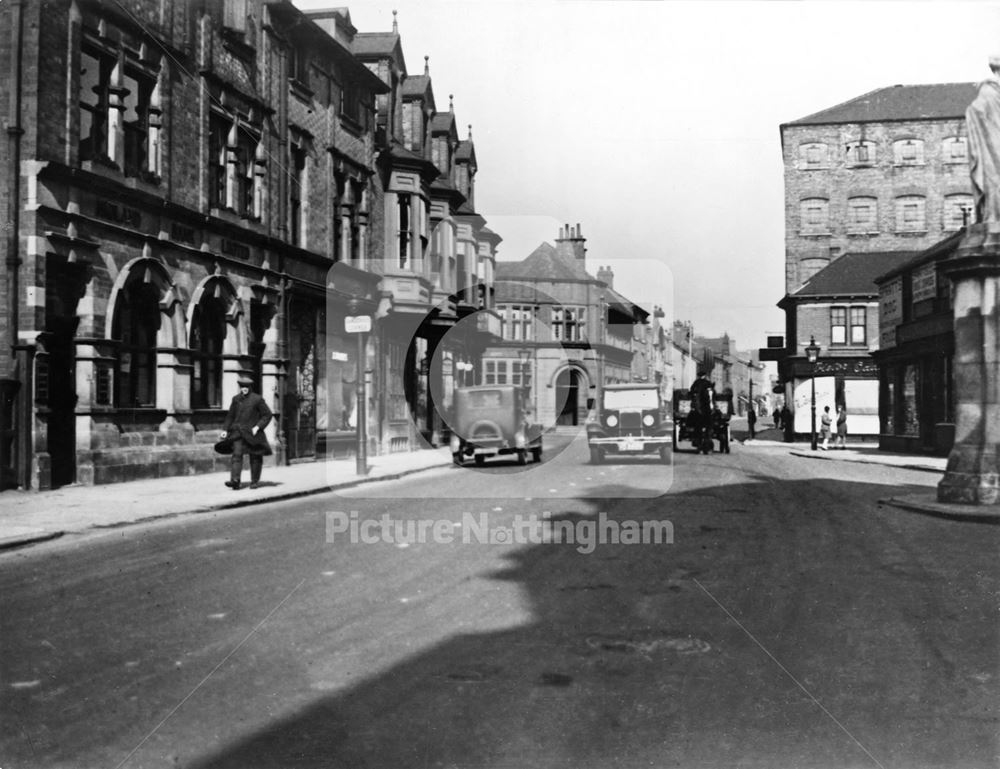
x,y
480,460
596,456
522,457
536,454
457,458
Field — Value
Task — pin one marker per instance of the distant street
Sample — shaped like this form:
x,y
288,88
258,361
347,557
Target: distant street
x,y
792,623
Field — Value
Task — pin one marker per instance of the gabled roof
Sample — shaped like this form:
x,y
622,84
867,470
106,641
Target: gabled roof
x,y
384,43
416,85
939,101
544,263
853,274
443,122
466,150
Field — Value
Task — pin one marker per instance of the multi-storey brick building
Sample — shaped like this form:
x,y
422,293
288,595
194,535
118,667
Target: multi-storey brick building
x,y
200,191
884,173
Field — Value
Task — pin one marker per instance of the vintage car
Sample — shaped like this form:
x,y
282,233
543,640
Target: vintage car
x,y
491,420
630,421
699,423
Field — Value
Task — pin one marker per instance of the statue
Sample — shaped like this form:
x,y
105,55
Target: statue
x,y
982,119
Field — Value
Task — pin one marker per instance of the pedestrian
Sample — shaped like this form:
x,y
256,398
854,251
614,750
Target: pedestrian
x,y
777,418
244,427
786,423
842,427
824,428
751,423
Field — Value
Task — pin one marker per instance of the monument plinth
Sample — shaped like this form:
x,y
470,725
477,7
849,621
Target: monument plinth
x,y
973,473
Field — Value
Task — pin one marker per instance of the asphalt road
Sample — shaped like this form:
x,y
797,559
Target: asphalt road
x,y
792,622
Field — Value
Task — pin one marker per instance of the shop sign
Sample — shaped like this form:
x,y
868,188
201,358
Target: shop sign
x,y
357,324
924,283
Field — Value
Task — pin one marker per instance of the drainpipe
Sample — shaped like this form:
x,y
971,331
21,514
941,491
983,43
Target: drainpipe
x,y
9,386
14,132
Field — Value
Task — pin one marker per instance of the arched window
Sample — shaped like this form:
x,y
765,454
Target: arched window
x,y
208,331
957,211
908,152
814,155
911,213
814,216
135,326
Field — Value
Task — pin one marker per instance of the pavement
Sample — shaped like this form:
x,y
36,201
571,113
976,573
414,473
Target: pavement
x,y
31,517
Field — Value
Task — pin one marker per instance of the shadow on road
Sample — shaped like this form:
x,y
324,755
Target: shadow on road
x,y
631,659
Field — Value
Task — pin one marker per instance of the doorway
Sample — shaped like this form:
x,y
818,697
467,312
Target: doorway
x,y
568,397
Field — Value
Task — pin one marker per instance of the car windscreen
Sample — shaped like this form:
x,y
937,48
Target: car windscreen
x,y
631,399
485,399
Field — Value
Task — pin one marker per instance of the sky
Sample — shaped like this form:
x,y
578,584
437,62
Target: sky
x,y
655,125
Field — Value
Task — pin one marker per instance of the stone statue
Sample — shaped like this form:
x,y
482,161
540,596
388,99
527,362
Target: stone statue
x,y
982,120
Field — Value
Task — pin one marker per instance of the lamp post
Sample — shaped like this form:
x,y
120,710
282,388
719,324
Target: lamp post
x,y
358,325
812,355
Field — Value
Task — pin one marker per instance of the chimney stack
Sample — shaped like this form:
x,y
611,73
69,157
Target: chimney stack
x,y
606,275
570,243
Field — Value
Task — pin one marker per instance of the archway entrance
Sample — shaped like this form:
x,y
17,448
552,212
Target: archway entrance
x,y
568,397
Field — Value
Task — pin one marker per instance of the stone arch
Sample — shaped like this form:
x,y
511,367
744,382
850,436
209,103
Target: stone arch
x,y
220,287
173,325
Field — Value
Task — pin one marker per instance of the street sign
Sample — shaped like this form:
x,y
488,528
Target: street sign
x,y
340,357
357,324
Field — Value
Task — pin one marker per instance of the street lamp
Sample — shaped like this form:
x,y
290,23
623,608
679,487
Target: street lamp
x,y
812,355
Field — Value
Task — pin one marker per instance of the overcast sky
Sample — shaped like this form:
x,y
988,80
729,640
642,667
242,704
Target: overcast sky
x,y
655,124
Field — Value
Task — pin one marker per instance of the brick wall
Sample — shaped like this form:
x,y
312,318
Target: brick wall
x,y
883,179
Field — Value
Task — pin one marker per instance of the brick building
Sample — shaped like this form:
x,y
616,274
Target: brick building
x,y
877,179
886,171
203,191
838,308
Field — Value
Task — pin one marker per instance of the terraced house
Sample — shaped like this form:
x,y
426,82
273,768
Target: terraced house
x,y
201,191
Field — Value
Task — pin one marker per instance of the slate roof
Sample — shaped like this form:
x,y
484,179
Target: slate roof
x,y
853,274
375,42
416,85
544,263
465,150
899,102
443,121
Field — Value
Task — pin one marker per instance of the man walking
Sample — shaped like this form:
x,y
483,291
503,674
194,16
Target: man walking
x,y
244,426
751,422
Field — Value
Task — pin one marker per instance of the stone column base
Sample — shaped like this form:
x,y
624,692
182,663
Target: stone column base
x,y
972,477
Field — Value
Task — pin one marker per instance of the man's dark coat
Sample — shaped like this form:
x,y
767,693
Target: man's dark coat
x,y
244,412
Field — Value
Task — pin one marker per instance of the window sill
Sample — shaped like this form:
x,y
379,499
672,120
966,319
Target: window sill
x,y
912,233
145,416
